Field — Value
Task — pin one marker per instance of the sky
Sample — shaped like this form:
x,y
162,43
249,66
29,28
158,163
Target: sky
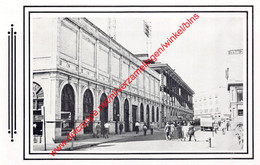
x,y
199,55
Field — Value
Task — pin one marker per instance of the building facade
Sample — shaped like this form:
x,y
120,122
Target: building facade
x,y
75,67
236,102
212,103
234,76
176,96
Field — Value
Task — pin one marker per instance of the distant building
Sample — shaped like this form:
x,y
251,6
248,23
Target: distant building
x,y
213,102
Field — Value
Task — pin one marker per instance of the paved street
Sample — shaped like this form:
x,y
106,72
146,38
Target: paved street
x,y
131,142
157,142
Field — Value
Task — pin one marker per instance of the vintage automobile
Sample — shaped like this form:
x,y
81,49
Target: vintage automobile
x,y
206,123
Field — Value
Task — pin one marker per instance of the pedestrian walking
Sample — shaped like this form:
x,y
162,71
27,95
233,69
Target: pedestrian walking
x,y
151,128
223,127
137,125
167,131
98,129
240,135
172,128
175,124
191,132
179,131
145,129
215,127
219,123
185,130
228,124
121,126
107,125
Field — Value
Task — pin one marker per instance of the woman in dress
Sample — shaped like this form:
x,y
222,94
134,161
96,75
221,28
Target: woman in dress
x,y
167,131
185,130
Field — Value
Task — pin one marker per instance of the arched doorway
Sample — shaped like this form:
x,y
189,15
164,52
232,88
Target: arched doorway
x,y
104,112
67,109
148,116
88,109
134,111
153,120
126,115
116,113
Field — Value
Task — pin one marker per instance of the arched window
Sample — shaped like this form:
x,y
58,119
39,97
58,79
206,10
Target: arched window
x,y
38,96
141,112
38,100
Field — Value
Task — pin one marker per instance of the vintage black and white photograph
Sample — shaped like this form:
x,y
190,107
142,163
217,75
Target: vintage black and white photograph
x,y
138,83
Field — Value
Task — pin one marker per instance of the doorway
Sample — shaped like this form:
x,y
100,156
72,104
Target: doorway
x,y
104,112
88,109
134,109
126,115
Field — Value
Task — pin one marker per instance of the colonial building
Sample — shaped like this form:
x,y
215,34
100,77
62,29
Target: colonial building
x,y
76,66
176,95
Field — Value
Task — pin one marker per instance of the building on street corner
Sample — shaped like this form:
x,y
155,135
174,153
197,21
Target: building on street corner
x,y
76,66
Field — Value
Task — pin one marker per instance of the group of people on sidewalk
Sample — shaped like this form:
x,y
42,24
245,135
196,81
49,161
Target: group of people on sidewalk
x,y
105,131
222,126
175,130
145,128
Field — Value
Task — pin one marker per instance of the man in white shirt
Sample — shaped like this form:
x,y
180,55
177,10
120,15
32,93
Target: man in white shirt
x,y
137,125
107,125
151,128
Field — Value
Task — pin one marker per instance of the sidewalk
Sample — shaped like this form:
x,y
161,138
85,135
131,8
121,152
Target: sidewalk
x,y
226,142
89,142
